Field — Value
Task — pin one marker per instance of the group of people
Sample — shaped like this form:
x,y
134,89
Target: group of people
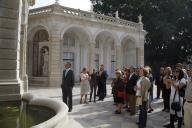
x,y
94,84
176,85
134,87
90,83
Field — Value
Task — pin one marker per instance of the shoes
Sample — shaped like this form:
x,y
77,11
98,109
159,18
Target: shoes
x,y
167,125
163,110
150,110
69,110
137,123
167,110
80,102
86,102
89,100
117,112
132,114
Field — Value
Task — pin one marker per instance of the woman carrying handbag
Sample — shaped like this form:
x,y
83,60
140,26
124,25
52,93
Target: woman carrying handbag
x,y
176,101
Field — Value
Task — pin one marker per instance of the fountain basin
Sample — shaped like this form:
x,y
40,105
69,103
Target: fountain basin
x,y
58,107
33,112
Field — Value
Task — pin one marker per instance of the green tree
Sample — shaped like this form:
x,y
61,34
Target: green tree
x,y
168,23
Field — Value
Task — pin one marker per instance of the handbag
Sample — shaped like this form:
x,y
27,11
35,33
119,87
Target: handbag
x,y
121,94
176,106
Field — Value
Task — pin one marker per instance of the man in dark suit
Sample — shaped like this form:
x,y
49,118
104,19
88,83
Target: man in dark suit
x,y
102,78
93,84
67,85
159,82
131,90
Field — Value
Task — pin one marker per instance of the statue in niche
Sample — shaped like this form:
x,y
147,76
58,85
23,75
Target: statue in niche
x,y
45,61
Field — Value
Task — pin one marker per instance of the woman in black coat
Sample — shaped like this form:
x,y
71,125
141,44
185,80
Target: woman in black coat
x,y
118,90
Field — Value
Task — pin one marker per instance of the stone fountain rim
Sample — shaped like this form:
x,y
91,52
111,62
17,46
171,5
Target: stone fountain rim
x,y
58,107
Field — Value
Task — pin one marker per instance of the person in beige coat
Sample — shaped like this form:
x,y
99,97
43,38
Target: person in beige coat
x,y
188,102
144,92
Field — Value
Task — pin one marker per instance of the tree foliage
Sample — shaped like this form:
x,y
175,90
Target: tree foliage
x,y
168,23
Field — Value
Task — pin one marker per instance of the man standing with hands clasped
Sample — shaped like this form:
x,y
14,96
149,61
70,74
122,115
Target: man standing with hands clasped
x,y
67,85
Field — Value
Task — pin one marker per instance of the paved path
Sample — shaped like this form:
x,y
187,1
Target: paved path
x,y
101,114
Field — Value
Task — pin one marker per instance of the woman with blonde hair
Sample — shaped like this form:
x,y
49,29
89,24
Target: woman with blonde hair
x,y
84,84
142,90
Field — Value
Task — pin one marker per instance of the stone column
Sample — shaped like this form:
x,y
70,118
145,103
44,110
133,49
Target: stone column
x,y
91,56
140,56
108,58
23,47
10,23
55,62
119,58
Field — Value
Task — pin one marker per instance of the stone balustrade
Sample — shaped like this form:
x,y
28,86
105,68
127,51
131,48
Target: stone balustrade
x,y
41,10
55,8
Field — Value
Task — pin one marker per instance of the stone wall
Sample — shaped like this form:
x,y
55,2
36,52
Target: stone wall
x,y
10,16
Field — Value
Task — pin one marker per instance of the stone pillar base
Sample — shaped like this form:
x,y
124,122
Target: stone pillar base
x,y
9,91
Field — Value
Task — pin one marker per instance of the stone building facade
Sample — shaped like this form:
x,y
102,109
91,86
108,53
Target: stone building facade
x,y
13,44
58,34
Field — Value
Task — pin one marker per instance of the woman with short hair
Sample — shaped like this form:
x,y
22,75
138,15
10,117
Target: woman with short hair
x,y
118,90
142,90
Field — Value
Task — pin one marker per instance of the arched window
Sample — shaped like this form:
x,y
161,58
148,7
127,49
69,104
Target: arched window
x,y
97,44
69,41
113,45
113,64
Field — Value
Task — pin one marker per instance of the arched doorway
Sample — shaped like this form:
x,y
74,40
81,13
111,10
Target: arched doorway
x,y
105,52
75,49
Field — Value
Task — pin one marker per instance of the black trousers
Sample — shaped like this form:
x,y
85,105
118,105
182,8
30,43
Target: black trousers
x,y
158,91
102,91
93,91
166,98
67,96
143,115
105,90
